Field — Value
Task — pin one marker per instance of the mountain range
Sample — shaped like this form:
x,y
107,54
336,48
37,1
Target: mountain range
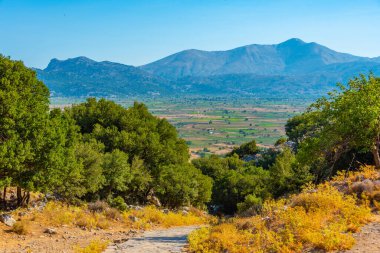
x,y
291,68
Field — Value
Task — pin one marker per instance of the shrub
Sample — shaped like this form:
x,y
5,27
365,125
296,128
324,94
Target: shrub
x,y
118,203
364,184
251,202
319,217
21,227
112,213
98,206
95,246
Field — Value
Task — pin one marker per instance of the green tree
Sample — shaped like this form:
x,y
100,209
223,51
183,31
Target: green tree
x,y
141,182
117,173
287,176
233,179
134,131
24,111
90,155
183,184
345,122
58,169
246,149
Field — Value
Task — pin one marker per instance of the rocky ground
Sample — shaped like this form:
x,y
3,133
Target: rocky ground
x,y
64,239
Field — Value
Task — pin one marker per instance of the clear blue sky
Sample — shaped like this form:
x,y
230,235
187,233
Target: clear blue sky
x,y
140,31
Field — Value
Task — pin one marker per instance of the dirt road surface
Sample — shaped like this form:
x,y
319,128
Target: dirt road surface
x,y
368,239
172,240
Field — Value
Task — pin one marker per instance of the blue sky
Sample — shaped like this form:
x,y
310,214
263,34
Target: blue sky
x,y
141,31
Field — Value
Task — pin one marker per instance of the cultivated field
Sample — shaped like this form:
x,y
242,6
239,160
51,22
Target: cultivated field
x,y
216,125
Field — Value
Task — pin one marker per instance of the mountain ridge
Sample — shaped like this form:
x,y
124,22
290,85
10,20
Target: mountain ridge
x,y
290,68
293,56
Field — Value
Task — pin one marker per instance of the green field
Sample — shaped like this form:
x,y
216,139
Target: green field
x,y
216,125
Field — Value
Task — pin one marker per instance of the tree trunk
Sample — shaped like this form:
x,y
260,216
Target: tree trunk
x,y
5,197
376,156
19,196
27,198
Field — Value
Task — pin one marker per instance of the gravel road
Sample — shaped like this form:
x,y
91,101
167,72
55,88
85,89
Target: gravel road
x,y
171,240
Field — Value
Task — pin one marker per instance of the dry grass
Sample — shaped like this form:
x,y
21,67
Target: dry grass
x,y
102,217
320,217
95,246
364,184
58,214
150,216
21,227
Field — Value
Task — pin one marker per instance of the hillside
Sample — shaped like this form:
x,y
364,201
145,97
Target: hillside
x,y
84,77
291,68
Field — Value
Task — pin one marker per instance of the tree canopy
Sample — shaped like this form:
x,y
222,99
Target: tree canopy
x,y
340,128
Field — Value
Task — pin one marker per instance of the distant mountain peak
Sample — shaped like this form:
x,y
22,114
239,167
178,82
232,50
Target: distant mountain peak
x,y
293,41
56,63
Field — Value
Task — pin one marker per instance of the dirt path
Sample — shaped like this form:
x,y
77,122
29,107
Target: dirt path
x,y
368,240
157,241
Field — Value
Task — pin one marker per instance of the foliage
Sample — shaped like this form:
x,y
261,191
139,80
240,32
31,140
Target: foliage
x,y
94,150
62,171
134,131
250,202
280,141
340,129
116,171
233,180
246,149
132,152
183,185
90,155
319,218
24,103
118,203
286,174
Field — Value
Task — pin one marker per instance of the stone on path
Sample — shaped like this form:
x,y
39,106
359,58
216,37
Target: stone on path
x,y
7,219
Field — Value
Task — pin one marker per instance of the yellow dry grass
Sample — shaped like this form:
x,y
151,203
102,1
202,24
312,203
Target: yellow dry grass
x,y
95,246
58,214
151,216
320,217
